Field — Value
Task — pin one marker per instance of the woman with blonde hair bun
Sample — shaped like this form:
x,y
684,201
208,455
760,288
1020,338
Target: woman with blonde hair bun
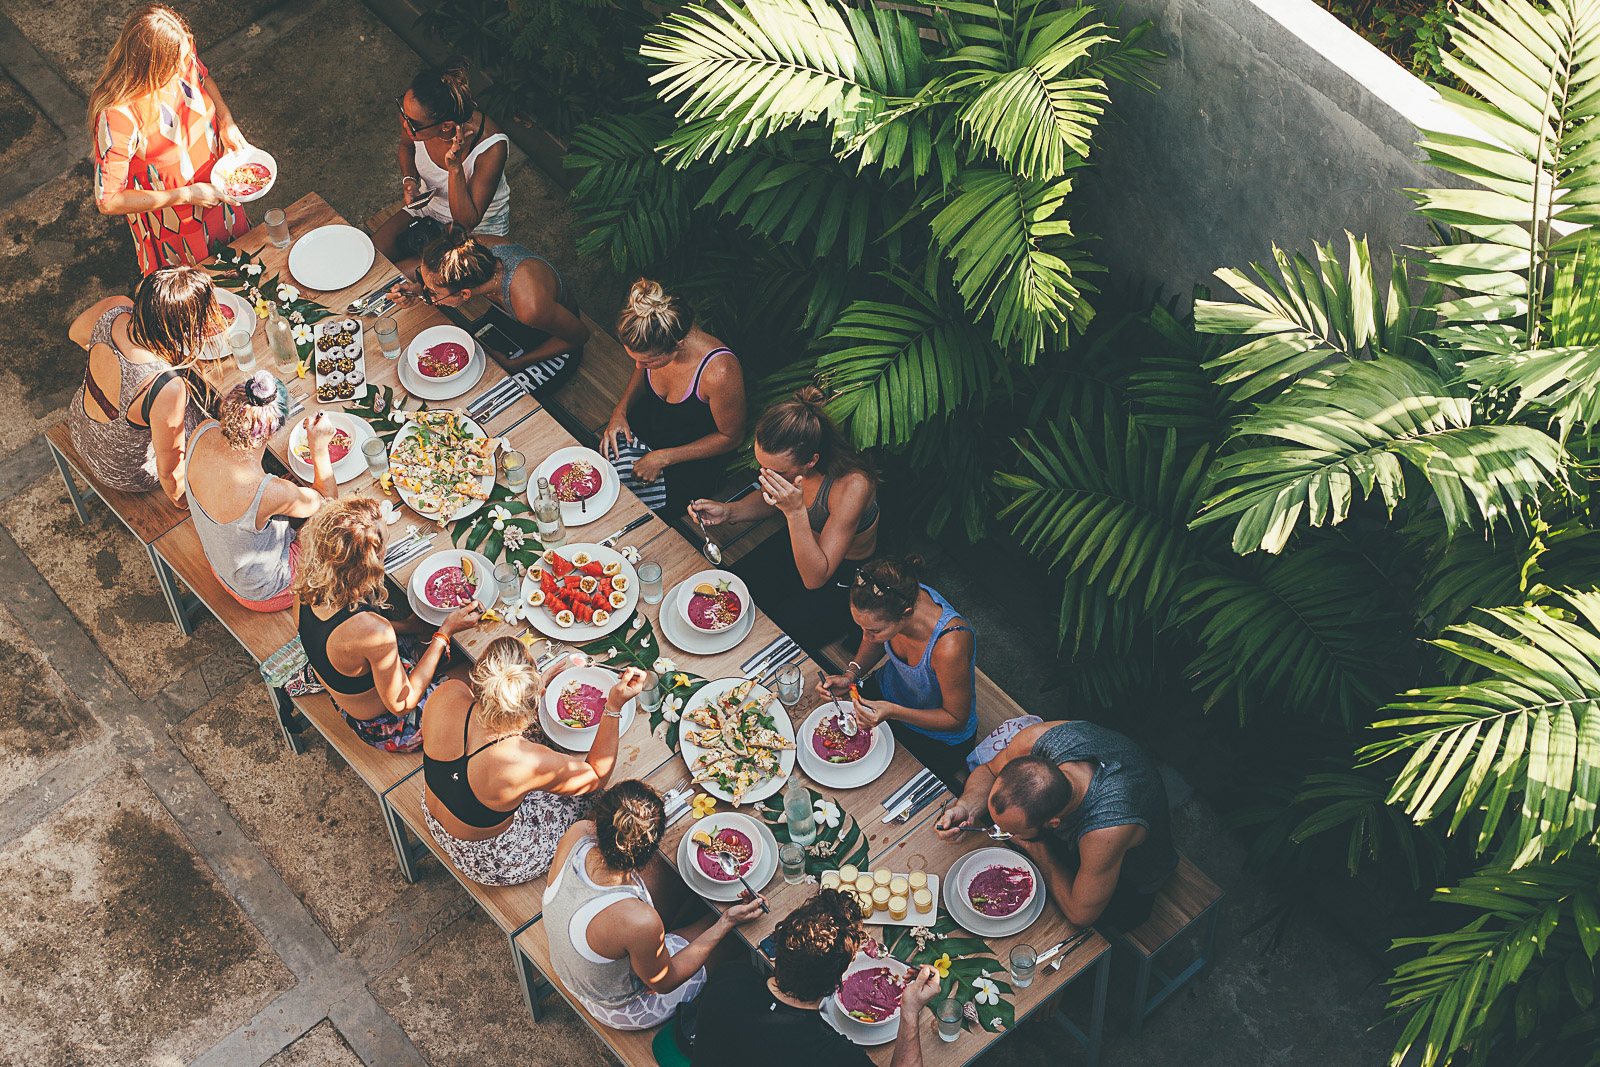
x,y
684,407
241,513
608,942
159,124
369,664
496,796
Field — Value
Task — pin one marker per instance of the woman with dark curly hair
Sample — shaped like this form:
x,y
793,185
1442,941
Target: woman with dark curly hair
x,y
608,943
739,1012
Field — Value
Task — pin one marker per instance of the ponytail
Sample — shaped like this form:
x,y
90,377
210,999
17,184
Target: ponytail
x,y
443,91
458,259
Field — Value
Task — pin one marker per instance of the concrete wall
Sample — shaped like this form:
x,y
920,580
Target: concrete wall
x,y
1274,123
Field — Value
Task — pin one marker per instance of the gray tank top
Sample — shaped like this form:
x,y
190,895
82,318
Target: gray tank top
x,y
253,563
818,512
1126,790
570,904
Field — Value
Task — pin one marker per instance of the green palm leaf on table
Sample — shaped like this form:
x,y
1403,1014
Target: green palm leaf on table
x,y
477,533
834,847
970,958
1529,729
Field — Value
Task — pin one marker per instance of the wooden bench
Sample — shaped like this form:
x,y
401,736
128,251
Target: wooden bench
x,y
538,979
146,515
1189,897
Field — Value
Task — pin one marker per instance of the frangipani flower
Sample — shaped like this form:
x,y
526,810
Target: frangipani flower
x,y
942,965
252,268
828,812
500,515
302,335
670,708
985,991
288,293
630,553
663,665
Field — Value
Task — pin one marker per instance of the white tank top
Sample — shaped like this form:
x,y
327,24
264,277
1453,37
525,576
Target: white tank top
x,y
496,217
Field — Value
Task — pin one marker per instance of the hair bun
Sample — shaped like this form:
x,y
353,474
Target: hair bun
x,y
811,395
647,297
262,388
913,561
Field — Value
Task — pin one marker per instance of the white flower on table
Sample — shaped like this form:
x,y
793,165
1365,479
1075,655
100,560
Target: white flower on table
x,y
612,651
630,553
288,294
253,269
399,416
663,665
644,642
500,515
302,335
828,812
985,991
670,708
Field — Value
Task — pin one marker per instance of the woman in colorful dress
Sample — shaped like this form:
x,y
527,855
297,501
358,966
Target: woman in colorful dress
x,y
684,407
132,415
159,124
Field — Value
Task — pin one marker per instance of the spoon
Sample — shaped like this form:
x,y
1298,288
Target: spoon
x,y
847,717
994,832
712,550
730,866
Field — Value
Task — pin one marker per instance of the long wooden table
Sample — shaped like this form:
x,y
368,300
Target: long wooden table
x,y
643,754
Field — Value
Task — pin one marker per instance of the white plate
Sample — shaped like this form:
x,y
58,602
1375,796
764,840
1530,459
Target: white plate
x,y
239,157
330,258
864,962
780,721
712,577
571,738
843,775
483,574
913,916
408,498
441,388
584,512
686,638
728,820
579,633
348,468
960,875
218,347
728,892
859,1033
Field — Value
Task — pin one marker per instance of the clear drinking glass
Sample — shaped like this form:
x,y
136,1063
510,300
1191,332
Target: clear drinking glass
x,y
242,342
789,685
277,227
650,582
388,333
509,581
651,696
1023,958
514,466
792,858
948,1012
377,456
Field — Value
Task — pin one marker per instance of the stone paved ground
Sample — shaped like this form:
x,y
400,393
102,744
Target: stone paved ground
x,y
180,889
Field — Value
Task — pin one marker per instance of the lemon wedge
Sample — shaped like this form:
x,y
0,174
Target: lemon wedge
x,y
705,589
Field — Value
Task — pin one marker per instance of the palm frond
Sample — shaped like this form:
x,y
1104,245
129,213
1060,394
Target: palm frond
x,y
1341,432
633,210
1015,257
1530,728
1358,804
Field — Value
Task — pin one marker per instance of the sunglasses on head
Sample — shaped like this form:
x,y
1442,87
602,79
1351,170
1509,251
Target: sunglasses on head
x,y
400,102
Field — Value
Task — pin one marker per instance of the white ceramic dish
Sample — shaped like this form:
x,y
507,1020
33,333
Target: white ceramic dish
x,y
859,1033
864,962
348,468
913,916
854,775
572,738
409,498
238,158
483,574
728,892
580,513
780,721
727,820
578,633
427,388
959,877
714,577
218,347
330,258
686,638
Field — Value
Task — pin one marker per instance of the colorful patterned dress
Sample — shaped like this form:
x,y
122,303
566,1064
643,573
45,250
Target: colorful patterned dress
x,y
165,141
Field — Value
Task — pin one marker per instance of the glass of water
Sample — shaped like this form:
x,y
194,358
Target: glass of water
x,y
242,342
388,333
509,583
789,686
1023,959
650,582
948,1012
792,858
277,227
514,466
651,696
377,456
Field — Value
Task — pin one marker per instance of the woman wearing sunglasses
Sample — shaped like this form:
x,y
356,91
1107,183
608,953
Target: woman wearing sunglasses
x,y
452,166
541,311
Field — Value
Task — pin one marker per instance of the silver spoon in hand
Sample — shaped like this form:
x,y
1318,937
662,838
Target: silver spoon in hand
x,y
731,866
712,550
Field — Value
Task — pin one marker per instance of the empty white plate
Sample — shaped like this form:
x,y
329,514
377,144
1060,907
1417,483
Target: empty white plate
x,y
331,257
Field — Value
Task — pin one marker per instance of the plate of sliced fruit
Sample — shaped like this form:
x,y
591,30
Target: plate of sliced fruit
x,y
580,592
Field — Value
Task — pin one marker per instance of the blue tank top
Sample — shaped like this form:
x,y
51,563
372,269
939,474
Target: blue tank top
x,y
915,685
511,256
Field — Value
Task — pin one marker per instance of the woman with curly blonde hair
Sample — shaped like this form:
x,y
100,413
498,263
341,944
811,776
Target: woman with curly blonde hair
x,y
243,515
608,941
369,664
496,795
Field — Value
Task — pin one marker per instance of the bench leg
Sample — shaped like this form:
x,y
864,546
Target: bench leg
x,y
1090,1038
533,984
66,476
405,849
290,721
182,605
1141,994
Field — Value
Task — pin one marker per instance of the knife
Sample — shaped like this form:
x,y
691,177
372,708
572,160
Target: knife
x,y
1050,953
769,661
634,525
766,648
911,785
1076,943
905,807
922,802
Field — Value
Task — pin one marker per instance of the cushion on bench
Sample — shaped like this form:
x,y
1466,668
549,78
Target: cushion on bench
x,y
147,515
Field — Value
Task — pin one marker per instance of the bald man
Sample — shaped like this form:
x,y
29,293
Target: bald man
x,y
1088,806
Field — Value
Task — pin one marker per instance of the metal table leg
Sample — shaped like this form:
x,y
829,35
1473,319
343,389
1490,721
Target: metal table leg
x,y
66,476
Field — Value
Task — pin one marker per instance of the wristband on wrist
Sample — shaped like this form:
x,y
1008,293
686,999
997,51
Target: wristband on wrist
x,y
440,635
853,669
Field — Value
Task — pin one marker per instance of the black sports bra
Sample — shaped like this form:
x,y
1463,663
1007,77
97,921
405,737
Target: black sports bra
x,y
447,780
314,634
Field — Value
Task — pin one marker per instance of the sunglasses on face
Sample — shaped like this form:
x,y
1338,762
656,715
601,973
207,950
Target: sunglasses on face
x,y
400,102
